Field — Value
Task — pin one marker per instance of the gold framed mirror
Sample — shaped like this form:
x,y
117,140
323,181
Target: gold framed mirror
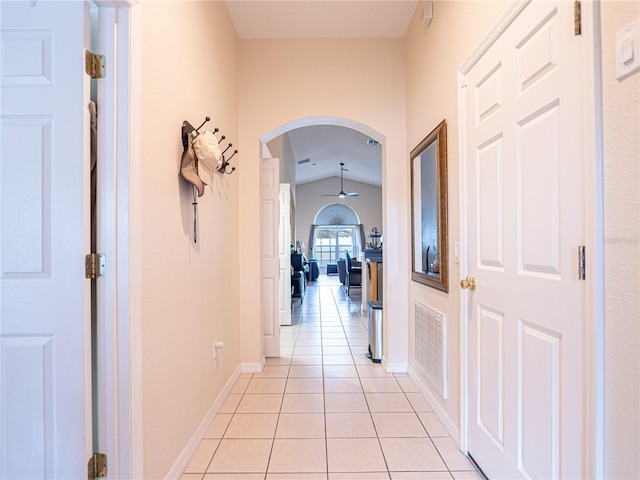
x,y
429,210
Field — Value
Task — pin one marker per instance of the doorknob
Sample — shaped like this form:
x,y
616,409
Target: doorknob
x,y
469,283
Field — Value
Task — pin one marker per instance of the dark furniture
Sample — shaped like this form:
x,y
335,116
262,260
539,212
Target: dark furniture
x,y
373,254
354,273
332,269
299,270
342,270
314,270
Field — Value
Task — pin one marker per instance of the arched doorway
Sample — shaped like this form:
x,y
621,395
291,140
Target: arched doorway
x,y
270,268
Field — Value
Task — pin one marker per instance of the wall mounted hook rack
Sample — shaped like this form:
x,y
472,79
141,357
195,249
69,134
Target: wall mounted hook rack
x,y
187,128
207,148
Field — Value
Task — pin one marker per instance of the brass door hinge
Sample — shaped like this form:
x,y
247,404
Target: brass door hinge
x,y
97,466
577,18
94,265
94,64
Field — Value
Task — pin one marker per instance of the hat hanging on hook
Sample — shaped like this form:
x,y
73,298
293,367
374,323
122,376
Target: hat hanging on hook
x,y
189,166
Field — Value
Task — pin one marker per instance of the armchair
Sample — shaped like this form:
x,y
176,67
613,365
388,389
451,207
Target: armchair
x,y
353,273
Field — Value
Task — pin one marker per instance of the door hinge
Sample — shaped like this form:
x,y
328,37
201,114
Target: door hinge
x,y
94,64
577,18
94,265
581,263
97,466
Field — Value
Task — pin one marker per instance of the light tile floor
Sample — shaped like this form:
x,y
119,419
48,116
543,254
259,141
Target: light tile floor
x,y
324,411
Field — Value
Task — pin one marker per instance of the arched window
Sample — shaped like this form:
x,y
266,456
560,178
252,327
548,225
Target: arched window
x,y
336,229
336,214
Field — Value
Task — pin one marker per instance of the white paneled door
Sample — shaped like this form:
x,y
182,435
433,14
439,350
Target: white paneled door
x,y
45,391
284,246
270,257
525,193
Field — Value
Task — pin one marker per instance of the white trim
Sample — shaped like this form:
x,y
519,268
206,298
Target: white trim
x,y
440,412
135,241
252,367
190,449
593,422
311,121
393,367
492,36
594,239
110,440
118,213
463,269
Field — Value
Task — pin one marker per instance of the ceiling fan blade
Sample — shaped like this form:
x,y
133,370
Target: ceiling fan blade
x,y
341,193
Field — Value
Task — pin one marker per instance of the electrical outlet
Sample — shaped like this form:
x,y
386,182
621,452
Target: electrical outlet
x,y
217,345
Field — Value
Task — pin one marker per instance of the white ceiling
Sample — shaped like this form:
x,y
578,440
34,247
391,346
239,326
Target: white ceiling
x,y
326,146
321,18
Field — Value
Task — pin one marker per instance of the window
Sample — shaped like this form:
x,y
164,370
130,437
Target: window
x,y
332,242
336,229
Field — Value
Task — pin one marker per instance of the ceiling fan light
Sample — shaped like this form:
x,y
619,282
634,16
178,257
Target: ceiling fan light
x,y
342,195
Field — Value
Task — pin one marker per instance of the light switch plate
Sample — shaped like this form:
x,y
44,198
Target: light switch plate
x,y
628,50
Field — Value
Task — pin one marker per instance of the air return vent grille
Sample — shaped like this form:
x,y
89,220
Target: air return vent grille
x,y
430,345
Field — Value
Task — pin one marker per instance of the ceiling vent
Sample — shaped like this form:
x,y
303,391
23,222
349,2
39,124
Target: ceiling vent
x,y
306,160
371,141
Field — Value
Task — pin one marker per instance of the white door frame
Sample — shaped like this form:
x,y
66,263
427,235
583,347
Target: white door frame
x,y
594,338
119,238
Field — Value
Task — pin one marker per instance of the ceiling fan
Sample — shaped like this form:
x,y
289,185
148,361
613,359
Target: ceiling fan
x,y
341,193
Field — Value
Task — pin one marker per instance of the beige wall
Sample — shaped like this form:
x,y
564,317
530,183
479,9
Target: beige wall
x,y
621,111
361,80
368,205
280,147
190,290
432,59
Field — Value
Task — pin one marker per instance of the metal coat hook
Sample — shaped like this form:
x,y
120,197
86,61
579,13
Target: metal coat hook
x,y
225,161
187,128
230,145
195,214
206,119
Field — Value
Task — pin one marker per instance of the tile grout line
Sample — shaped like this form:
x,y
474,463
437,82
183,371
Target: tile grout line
x,y
316,320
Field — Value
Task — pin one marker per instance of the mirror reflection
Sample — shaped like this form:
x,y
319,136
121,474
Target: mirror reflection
x,y
429,210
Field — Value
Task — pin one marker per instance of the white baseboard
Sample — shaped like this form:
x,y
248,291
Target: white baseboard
x,y
190,449
450,427
252,367
393,367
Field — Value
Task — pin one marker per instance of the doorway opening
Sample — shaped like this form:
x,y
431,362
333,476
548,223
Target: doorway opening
x,y
277,145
